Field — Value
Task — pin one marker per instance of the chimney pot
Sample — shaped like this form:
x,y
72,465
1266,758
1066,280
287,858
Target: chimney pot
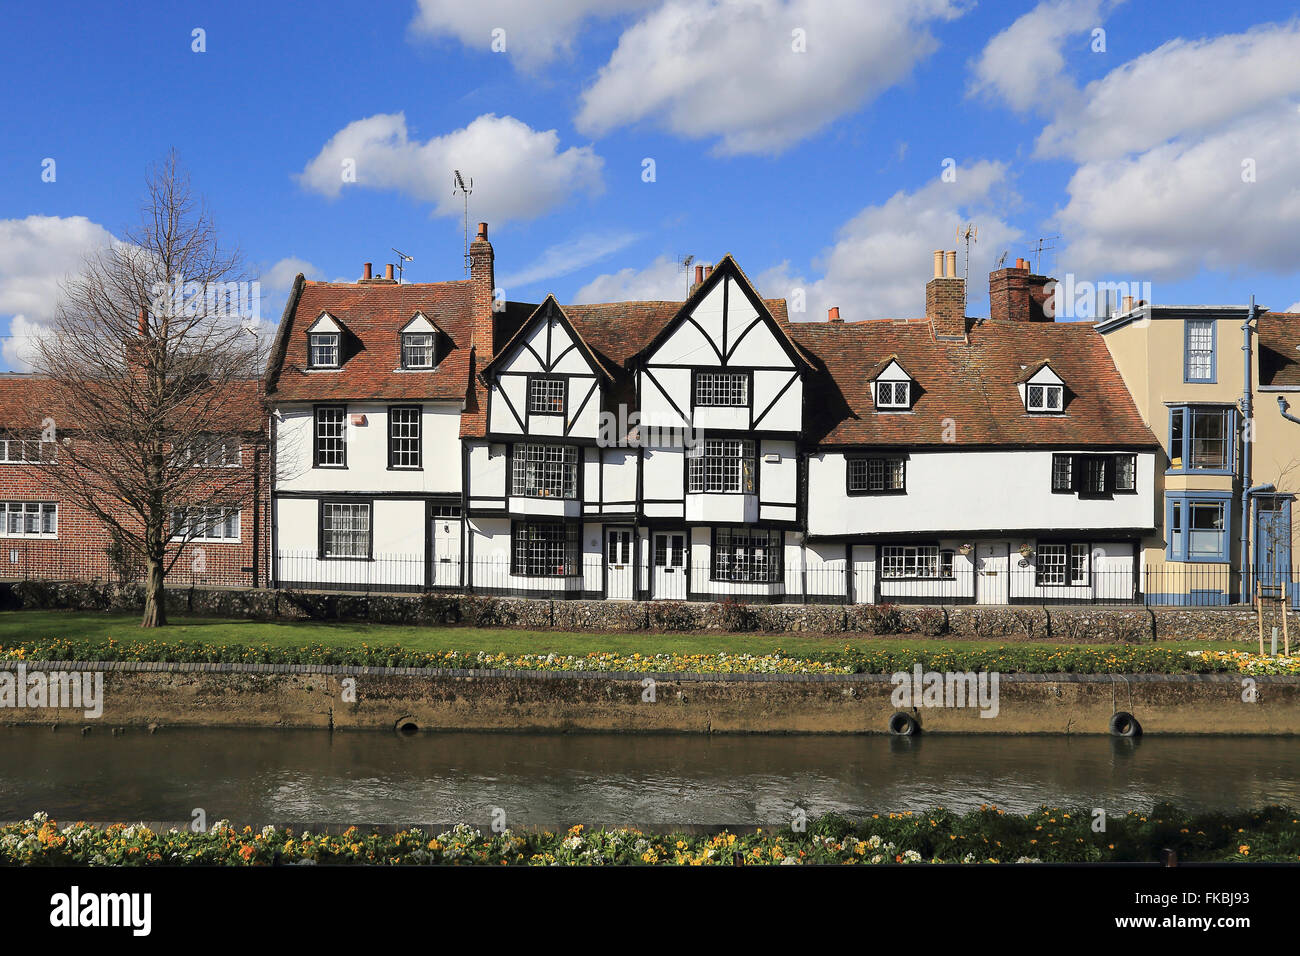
x,y
708,271
365,270
833,315
143,323
938,263
951,270
482,230
388,272
699,274
1128,303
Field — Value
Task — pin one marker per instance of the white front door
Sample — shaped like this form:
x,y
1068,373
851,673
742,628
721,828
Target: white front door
x,y
446,548
669,567
618,564
992,573
864,574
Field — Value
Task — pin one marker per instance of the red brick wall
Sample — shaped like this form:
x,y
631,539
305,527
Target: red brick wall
x,y
80,550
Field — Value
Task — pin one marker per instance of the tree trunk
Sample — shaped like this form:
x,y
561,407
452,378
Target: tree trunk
x,y
155,611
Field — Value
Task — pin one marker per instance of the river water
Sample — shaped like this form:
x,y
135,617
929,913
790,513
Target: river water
x,y
300,777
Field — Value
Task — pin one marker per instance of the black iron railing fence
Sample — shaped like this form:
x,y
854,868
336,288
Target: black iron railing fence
x,y
594,577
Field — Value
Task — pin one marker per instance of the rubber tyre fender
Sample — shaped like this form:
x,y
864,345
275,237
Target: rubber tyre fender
x,y
1124,724
903,724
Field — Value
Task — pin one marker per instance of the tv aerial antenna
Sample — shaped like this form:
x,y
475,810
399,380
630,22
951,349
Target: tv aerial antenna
x,y
1002,260
968,233
465,189
1044,244
402,259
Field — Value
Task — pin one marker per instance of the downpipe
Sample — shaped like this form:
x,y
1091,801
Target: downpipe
x,y
1248,432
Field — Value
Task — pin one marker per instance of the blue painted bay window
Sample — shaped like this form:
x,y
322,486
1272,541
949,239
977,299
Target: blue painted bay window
x,y
1203,439
1198,526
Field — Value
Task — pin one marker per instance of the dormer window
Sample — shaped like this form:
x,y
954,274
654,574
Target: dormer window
x,y
417,350
1041,389
891,386
1045,398
893,395
323,349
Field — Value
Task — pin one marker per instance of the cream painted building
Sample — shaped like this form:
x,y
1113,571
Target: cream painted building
x,y
1186,369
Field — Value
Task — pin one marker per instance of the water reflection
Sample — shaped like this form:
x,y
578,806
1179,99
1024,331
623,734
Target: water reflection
x,y
258,776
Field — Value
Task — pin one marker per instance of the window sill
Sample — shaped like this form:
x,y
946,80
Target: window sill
x,y
875,494
1220,472
1213,559
344,557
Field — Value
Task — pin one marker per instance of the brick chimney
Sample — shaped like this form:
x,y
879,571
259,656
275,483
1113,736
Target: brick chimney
x,y
1018,295
945,299
483,283
833,314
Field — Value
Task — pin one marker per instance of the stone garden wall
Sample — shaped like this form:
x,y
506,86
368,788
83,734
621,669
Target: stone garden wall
x,y
1074,624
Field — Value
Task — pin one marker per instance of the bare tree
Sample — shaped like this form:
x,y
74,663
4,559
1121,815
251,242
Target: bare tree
x,y
149,376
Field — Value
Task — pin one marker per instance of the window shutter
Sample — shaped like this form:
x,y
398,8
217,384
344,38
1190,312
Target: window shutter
x,y
1076,480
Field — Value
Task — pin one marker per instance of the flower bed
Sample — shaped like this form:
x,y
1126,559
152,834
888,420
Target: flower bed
x,y
987,835
1007,659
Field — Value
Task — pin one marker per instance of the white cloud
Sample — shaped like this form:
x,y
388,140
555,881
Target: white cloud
x,y
728,68
1294,307
1182,88
37,255
1180,208
883,256
1025,63
662,280
535,33
518,172
275,281
568,257
279,276
1188,160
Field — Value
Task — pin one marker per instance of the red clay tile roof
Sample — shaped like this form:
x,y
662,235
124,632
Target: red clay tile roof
x,y
374,315
1279,339
972,384
25,401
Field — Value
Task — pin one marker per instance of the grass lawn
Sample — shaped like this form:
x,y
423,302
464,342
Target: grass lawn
x,y
19,626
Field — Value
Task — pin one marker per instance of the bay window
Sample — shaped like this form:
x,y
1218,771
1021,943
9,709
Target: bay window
x,y
722,466
747,554
1198,526
544,471
1202,438
544,548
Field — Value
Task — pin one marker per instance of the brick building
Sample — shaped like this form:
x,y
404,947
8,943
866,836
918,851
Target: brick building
x,y
44,534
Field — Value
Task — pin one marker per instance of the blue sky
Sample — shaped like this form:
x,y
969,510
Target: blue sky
x,y
1169,157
